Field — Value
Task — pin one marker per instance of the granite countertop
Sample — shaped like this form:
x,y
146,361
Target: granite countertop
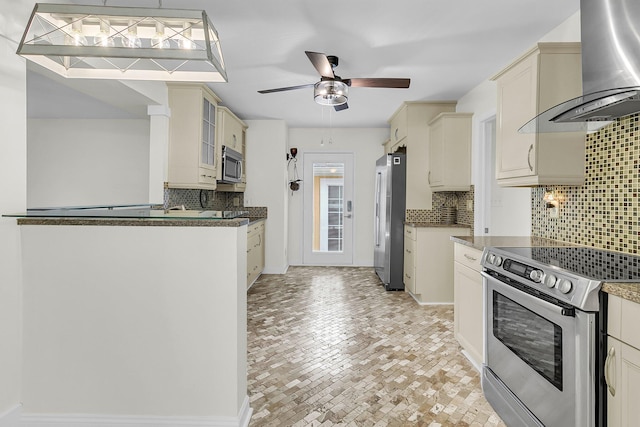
x,y
435,224
138,222
629,291
480,242
136,215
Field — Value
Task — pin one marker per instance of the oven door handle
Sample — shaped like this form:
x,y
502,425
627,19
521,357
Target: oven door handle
x,y
554,308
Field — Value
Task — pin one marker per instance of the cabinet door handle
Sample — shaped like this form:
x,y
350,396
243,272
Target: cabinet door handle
x,y
611,355
395,134
529,158
407,276
408,231
429,178
408,251
469,257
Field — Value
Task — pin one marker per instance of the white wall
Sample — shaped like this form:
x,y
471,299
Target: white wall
x,y
266,186
367,148
87,162
509,211
13,187
136,323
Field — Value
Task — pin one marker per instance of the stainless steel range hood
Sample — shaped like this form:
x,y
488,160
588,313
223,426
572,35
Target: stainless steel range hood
x,y
610,70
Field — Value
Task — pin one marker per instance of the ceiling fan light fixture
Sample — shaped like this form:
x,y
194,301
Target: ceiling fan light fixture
x,y
330,92
150,44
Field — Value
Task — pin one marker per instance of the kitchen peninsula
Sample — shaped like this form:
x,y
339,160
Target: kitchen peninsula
x,y
139,319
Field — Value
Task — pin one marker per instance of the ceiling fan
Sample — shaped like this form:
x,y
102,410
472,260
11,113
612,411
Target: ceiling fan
x,y
332,89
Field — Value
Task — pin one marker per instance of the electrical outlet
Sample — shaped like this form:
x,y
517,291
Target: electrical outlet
x,y
469,205
236,201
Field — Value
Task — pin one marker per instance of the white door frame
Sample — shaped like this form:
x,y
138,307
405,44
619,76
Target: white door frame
x,y
309,256
486,126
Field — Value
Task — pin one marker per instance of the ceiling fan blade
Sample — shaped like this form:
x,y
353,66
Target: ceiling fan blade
x,y
379,82
282,89
341,107
321,63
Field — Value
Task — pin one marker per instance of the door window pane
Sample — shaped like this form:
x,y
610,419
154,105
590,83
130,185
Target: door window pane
x,y
328,209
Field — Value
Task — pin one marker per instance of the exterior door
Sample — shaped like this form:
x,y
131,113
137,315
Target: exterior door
x,y
328,209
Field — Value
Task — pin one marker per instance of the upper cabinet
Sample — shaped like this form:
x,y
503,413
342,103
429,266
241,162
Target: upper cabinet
x,y
231,129
409,128
545,76
398,125
193,159
232,133
450,152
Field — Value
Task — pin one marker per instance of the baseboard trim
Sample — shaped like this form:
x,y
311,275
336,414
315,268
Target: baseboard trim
x,y
91,420
427,303
11,417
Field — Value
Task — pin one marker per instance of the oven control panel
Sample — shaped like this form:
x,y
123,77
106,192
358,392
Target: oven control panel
x,y
536,275
527,267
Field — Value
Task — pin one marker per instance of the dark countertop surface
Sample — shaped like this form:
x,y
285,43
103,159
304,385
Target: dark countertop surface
x,y
135,215
434,225
480,242
138,222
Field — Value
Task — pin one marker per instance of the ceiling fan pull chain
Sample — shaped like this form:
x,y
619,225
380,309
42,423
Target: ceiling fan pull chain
x,y
330,127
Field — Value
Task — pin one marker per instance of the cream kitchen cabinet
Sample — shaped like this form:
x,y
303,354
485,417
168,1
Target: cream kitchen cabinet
x,y
231,129
398,125
255,251
192,161
409,266
450,152
622,366
231,133
428,264
467,302
390,147
409,128
545,76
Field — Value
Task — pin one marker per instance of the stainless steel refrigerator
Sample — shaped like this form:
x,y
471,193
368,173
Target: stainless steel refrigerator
x,y
390,202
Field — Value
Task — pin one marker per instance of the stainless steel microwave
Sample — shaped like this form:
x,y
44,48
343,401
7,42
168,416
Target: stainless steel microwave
x,y
231,166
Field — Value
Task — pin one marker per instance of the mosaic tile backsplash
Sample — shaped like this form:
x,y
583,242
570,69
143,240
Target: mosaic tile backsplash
x,y
602,213
456,199
202,199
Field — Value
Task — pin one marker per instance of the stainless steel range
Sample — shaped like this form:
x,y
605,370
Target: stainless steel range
x,y
544,328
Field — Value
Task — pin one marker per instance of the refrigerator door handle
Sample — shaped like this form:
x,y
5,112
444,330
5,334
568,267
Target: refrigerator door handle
x,y
377,218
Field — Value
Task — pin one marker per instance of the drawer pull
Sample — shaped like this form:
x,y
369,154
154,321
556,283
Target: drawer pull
x,y
610,357
470,258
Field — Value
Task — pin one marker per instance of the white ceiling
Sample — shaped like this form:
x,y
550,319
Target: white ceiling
x,y
445,47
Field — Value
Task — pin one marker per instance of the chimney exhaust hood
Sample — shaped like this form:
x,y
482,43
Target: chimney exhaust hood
x,y
610,33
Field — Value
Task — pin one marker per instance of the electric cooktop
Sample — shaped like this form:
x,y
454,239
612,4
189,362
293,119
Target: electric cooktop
x,y
596,264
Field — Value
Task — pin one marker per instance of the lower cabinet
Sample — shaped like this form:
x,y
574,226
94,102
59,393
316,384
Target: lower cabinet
x,y
255,251
467,302
622,365
428,261
409,270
